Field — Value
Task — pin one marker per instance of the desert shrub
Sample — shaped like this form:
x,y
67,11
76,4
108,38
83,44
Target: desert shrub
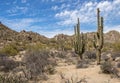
x,y
37,46
118,64
67,47
107,47
61,54
82,64
116,46
7,64
9,50
90,55
21,46
109,68
106,56
115,55
37,62
5,78
106,67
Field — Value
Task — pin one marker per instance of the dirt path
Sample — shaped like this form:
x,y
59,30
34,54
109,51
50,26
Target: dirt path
x,y
86,75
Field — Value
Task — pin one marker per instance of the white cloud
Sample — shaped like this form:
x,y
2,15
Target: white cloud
x,y
23,1
62,14
109,28
20,24
17,10
51,34
28,25
63,6
54,7
87,12
45,0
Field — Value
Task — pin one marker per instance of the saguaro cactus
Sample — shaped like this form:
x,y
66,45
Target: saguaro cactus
x,y
98,37
79,44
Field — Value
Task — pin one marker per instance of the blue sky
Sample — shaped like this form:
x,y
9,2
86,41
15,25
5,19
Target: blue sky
x,y
51,17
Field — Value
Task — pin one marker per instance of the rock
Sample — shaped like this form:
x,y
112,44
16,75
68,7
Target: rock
x,y
105,56
117,59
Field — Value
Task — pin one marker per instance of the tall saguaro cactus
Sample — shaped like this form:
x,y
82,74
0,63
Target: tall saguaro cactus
x,y
98,37
79,43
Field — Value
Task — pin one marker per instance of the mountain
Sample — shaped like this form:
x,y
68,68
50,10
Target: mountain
x,y
31,36
112,36
8,35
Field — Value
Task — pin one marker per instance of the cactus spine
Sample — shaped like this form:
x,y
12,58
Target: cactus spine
x,y
98,37
79,44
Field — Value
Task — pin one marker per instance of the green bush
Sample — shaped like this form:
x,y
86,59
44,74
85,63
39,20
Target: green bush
x,y
116,47
37,46
67,47
9,50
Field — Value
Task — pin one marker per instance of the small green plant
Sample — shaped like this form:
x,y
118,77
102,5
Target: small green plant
x,y
116,47
9,50
37,46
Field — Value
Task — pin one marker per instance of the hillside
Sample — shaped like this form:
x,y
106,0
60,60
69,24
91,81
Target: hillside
x,y
7,35
112,36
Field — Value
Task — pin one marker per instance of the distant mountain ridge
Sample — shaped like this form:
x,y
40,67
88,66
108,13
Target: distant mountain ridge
x,y
6,34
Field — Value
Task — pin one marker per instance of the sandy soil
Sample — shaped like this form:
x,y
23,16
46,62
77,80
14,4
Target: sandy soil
x,y
92,74
85,75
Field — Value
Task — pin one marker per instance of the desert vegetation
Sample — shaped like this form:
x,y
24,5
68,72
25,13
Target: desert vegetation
x,y
27,57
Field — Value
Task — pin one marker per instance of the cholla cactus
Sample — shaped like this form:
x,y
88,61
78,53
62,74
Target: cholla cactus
x,y
79,44
98,37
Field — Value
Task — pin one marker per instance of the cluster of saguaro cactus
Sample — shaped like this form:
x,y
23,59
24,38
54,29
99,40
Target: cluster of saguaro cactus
x,y
79,43
98,37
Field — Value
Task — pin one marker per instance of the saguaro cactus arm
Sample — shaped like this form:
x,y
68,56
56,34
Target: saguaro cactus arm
x,y
98,37
79,44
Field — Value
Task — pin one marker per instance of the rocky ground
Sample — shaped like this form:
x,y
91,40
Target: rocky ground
x,y
67,72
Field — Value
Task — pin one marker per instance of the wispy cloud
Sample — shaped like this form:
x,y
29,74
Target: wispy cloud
x,y
17,10
20,24
23,1
55,7
61,7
